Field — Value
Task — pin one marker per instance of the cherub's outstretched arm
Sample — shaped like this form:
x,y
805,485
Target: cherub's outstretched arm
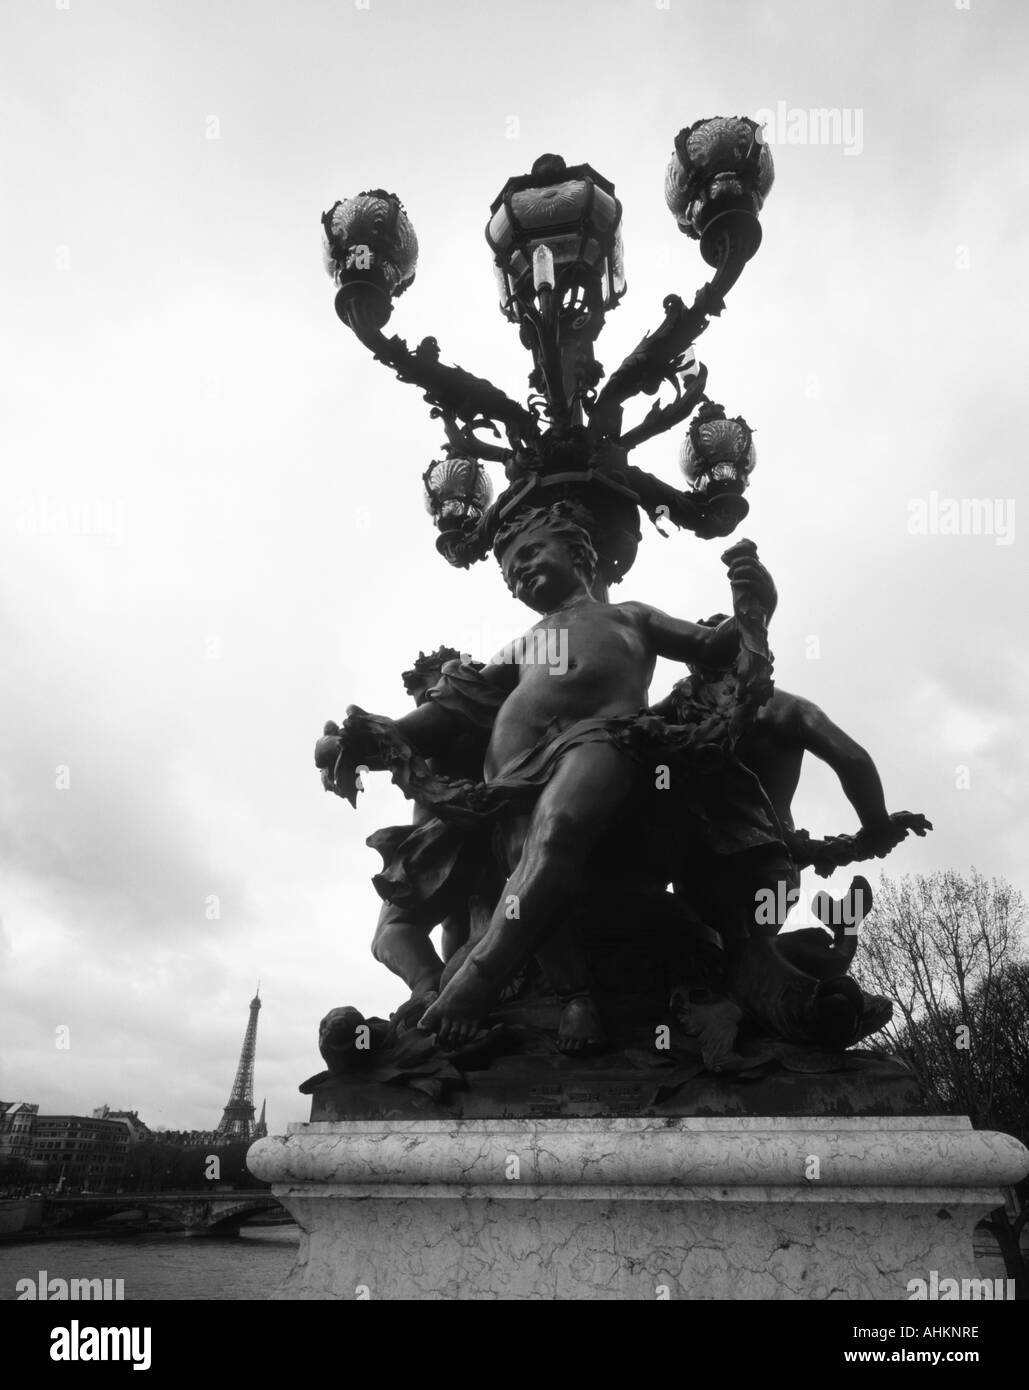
x,y
428,730
433,725
680,640
854,767
716,647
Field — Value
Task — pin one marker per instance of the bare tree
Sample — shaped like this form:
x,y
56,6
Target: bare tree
x,y
948,949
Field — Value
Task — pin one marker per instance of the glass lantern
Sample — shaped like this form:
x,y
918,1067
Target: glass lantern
x,y
720,165
457,492
370,237
718,457
574,213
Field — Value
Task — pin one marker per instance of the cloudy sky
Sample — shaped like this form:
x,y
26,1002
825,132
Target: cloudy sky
x,y
211,529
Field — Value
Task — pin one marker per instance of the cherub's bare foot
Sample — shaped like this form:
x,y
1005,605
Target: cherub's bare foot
x,y
424,992
455,1015
579,1029
410,1013
714,1025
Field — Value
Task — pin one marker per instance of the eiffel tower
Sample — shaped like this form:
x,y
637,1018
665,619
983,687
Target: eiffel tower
x,y
237,1123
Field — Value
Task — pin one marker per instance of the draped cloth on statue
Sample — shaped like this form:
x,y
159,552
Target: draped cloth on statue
x,y
693,798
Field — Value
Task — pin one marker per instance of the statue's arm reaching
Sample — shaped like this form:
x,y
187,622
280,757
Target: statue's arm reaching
x,y
679,640
430,728
851,763
715,647
465,694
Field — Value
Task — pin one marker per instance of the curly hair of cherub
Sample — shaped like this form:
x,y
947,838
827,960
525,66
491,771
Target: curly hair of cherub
x,y
563,519
426,666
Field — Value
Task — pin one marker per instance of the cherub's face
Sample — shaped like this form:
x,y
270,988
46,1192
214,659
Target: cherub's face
x,y
539,569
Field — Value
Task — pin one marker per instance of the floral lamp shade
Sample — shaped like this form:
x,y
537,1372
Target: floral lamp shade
x,y
457,492
370,237
719,165
718,457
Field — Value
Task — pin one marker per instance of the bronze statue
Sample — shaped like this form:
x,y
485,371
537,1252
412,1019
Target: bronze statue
x,y
543,784
612,878
569,742
559,731
773,746
753,907
402,939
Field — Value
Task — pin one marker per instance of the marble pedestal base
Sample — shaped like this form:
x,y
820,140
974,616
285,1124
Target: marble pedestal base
x,y
740,1208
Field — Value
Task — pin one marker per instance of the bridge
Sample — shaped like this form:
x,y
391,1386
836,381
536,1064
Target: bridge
x,y
195,1213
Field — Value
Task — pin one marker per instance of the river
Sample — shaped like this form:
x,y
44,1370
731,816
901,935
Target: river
x,y
249,1266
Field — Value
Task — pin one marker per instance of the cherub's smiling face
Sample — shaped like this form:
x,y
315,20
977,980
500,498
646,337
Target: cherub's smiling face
x,y
539,568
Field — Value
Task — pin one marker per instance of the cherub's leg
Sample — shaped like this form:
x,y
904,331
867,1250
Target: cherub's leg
x,y
573,811
564,964
403,944
481,905
455,931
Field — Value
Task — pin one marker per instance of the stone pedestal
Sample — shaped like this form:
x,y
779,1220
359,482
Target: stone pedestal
x,y
688,1208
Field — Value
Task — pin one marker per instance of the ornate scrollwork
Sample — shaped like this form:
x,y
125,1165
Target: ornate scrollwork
x,y
556,237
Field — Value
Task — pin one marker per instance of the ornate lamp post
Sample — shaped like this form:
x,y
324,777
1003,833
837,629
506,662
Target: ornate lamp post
x,y
555,234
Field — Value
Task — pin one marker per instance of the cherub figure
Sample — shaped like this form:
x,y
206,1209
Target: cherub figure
x,y
402,940
567,745
767,972
563,732
784,730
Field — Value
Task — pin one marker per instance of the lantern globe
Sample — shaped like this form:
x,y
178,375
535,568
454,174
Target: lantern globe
x,y
720,165
718,453
370,236
457,492
574,213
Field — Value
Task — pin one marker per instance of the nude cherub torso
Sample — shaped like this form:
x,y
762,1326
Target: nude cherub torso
x,y
585,660
588,659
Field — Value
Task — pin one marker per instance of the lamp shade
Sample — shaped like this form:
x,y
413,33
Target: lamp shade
x,y
370,237
574,213
718,453
720,164
457,492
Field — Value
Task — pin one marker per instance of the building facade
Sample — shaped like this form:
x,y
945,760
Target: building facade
x,y
74,1150
17,1122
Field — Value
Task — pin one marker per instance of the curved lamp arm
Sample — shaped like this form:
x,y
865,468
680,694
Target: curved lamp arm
x,y
456,393
659,355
